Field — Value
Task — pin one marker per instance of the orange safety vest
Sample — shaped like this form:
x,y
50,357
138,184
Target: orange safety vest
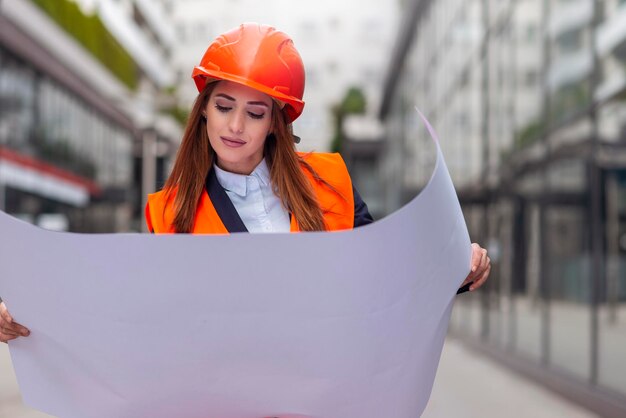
x,y
337,207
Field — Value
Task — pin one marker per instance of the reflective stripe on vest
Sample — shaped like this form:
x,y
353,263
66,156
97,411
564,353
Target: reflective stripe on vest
x,y
338,211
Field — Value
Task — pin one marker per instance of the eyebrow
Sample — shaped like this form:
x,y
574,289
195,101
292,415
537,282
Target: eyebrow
x,y
255,103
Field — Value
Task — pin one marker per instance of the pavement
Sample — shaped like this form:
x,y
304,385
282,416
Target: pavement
x,y
11,405
470,385
467,385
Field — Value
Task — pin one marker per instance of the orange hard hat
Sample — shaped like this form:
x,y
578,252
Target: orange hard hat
x,y
260,57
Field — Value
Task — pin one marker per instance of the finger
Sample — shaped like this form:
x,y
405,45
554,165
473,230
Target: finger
x,y
483,256
8,332
477,269
17,329
486,263
482,279
479,256
7,337
12,328
469,278
475,264
21,329
475,257
481,264
4,313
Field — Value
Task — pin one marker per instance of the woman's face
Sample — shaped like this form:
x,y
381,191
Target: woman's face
x,y
238,121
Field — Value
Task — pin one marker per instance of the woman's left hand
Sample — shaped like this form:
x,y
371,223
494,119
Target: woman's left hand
x,y
481,266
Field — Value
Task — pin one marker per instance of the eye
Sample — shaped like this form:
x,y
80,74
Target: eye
x,y
222,109
256,115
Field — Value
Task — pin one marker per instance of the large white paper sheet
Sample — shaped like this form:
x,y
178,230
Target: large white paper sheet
x,y
329,325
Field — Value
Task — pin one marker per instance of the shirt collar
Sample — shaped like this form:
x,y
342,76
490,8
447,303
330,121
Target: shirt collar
x,y
237,183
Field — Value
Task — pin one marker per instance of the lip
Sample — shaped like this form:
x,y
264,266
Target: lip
x,y
232,142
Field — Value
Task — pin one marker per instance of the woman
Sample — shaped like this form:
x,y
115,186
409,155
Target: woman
x,y
251,82
237,168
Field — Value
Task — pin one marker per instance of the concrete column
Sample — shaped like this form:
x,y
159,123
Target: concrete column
x,y
2,188
148,167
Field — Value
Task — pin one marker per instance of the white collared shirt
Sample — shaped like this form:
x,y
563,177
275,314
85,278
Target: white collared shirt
x,y
257,205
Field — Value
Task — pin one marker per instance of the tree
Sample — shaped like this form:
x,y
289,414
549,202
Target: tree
x,y
352,103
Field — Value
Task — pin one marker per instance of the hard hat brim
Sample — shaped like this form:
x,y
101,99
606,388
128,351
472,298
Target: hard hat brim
x,y
293,106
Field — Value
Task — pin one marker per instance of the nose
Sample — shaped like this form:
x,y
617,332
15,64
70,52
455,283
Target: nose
x,y
236,122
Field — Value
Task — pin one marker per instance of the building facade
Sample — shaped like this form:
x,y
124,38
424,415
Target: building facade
x,y
528,98
343,44
80,87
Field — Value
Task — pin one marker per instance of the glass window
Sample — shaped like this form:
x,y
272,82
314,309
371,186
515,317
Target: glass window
x,y
570,99
571,41
569,287
17,92
612,309
39,117
527,299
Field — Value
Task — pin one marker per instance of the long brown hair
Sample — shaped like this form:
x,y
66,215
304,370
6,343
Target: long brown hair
x,y
195,158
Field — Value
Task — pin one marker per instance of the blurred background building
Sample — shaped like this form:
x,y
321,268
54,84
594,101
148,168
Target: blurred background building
x,y
528,98
97,91
84,124
343,44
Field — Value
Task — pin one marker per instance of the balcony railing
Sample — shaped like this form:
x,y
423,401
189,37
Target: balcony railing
x,y
574,15
611,37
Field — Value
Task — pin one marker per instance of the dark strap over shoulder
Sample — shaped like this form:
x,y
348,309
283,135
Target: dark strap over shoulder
x,y
223,205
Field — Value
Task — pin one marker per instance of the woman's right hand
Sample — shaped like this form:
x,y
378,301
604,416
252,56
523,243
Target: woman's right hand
x,y
9,329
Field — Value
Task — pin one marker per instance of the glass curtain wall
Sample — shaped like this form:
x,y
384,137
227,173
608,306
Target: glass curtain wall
x,y
544,93
41,119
